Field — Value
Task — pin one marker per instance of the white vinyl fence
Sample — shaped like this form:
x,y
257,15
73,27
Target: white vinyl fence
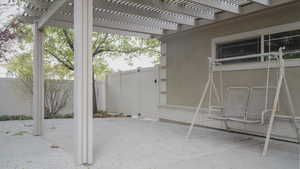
x,y
16,98
131,92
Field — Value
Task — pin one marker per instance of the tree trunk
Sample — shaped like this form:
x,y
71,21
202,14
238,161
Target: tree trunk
x,y
95,107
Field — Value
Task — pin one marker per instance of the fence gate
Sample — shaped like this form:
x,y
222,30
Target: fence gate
x,y
133,92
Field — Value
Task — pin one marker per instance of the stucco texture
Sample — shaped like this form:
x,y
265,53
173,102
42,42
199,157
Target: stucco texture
x,y
187,53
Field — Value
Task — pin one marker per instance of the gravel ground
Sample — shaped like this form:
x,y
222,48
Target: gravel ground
x,y
137,144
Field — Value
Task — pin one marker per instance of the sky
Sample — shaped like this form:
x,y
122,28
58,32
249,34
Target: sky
x,y
116,64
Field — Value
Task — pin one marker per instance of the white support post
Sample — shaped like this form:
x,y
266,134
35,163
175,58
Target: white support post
x,y
83,95
281,81
276,100
292,109
38,81
207,85
210,85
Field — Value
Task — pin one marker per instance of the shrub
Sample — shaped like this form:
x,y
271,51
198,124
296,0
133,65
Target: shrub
x,y
58,116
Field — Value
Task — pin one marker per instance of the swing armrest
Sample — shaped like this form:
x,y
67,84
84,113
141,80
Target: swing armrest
x,y
217,108
263,114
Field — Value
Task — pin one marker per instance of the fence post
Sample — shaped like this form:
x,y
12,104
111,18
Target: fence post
x,y
104,88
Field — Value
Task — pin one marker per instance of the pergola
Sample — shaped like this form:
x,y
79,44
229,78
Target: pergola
x,y
144,18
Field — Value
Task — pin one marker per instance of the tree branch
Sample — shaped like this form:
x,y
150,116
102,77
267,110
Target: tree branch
x,y
98,48
60,60
69,39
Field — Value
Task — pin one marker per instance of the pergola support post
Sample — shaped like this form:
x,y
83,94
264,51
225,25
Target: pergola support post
x,y
38,81
83,96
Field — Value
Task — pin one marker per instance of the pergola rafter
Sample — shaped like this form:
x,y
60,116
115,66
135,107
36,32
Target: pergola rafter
x,y
263,2
50,12
128,18
41,3
118,25
195,11
112,15
225,5
63,24
143,10
103,22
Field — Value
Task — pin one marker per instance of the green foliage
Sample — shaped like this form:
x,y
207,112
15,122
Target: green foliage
x,y
59,50
21,65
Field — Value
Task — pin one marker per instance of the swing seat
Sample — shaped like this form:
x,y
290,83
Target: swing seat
x,y
246,106
235,105
247,121
239,120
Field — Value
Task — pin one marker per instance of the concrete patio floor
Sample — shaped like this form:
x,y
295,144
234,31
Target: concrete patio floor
x,y
138,144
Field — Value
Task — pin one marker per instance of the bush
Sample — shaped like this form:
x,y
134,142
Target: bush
x,y
56,97
59,116
105,114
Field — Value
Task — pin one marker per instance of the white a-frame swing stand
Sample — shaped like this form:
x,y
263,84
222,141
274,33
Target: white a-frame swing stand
x,y
282,81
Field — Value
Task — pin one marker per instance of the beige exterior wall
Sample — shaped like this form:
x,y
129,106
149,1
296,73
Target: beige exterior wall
x,y
187,55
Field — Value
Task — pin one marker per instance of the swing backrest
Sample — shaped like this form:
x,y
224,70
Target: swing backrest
x,y
236,102
257,100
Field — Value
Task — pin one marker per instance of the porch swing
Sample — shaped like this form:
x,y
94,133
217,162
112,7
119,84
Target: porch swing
x,y
246,105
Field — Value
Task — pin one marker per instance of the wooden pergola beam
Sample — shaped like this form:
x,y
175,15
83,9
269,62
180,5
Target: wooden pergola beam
x,y
55,6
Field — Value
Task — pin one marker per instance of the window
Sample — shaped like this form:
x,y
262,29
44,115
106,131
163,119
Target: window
x,y
258,42
239,48
290,40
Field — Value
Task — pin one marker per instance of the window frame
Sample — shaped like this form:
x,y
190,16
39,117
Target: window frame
x,y
252,34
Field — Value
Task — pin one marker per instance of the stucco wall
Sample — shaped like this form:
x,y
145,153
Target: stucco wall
x,y
187,55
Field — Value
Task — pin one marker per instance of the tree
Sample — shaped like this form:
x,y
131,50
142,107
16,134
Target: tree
x,y
59,51
7,36
59,43
8,25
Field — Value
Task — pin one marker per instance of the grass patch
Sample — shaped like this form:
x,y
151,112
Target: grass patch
x,y
99,114
14,117
20,133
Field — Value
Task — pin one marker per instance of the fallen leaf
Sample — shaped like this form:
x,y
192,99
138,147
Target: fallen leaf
x,y
54,146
